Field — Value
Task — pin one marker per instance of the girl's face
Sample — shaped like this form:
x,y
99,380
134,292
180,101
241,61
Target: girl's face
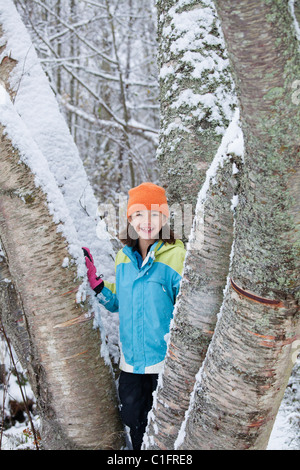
x,y
148,224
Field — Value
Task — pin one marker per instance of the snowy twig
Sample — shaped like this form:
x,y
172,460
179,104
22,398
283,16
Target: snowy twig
x,y
20,386
22,75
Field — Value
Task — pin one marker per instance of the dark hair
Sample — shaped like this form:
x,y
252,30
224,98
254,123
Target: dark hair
x,y
129,236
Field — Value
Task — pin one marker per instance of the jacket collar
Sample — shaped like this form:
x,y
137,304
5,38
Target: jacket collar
x,y
129,251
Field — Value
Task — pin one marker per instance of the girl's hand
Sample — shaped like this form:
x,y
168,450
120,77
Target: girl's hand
x,y
95,281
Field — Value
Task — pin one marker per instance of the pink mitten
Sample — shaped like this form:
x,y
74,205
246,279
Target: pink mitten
x,y
95,281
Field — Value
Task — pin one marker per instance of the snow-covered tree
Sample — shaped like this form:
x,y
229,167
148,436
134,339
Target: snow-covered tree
x,y
100,60
196,94
48,212
194,84
242,378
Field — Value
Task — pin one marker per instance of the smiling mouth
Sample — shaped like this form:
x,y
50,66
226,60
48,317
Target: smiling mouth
x,y
146,230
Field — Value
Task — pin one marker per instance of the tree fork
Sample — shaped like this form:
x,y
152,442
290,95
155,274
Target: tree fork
x,y
248,365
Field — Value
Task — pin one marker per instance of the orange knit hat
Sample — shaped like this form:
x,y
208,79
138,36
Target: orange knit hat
x,y
147,196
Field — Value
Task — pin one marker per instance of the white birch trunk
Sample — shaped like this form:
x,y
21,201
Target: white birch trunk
x,y
191,131
201,294
197,97
42,231
244,376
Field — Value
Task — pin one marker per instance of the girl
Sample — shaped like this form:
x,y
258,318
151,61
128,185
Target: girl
x,y
148,274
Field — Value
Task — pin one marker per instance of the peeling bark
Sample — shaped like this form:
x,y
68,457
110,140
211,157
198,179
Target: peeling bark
x,y
185,155
75,395
197,307
73,385
249,362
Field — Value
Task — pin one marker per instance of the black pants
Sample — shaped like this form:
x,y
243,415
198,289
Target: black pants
x,y
135,392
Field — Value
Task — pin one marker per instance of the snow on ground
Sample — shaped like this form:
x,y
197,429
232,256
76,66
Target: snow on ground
x,y
286,431
17,436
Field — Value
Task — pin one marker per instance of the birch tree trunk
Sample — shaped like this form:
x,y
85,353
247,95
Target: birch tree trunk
x,y
72,382
190,136
199,302
245,373
196,95
74,388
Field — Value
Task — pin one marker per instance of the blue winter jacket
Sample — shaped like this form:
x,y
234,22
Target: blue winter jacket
x,y
144,294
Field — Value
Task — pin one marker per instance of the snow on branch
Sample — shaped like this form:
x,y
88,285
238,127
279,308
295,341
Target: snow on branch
x,y
39,114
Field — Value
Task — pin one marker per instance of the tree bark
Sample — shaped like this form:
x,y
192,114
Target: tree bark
x,y
75,391
72,383
192,62
208,255
297,10
244,376
198,304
